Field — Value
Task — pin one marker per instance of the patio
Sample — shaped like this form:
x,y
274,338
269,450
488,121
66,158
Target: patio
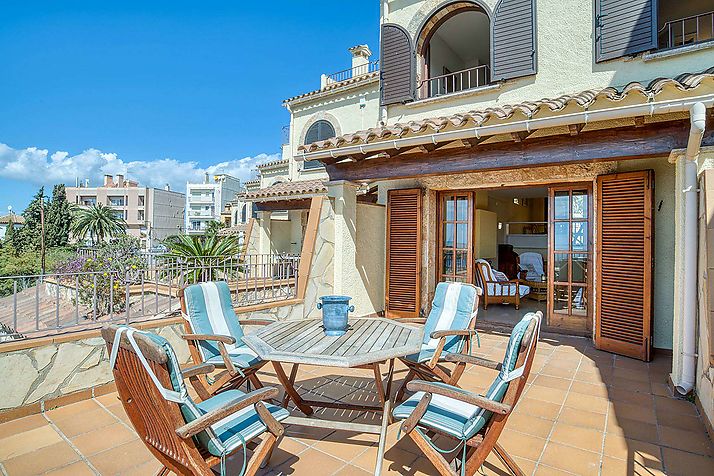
x,y
584,412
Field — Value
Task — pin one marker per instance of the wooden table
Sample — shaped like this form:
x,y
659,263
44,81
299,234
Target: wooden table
x,y
367,344
539,289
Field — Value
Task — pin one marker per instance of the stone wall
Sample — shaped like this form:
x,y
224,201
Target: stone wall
x,y
37,374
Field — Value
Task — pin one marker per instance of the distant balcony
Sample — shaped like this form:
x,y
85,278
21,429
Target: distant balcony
x,y
686,31
463,80
201,198
350,73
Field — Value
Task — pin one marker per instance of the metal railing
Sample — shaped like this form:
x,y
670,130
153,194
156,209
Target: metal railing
x,y
687,31
39,305
354,72
454,82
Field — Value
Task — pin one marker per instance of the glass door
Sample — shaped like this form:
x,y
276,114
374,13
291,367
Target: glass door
x,y
455,236
570,258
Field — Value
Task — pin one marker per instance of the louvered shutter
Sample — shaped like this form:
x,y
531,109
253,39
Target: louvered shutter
x,y
397,61
514,40
624,27
624,264
403,253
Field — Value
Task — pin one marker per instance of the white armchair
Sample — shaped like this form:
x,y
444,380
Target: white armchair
x,y
499,291
532,264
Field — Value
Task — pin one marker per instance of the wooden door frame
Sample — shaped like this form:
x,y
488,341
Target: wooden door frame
x,y
587,185
440,196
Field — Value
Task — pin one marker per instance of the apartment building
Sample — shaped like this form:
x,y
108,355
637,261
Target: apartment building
x,y
151,214
206,201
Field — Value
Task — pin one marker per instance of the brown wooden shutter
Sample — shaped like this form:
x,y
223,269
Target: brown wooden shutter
x,y
624,27
397,63
624,264
403,253
514,39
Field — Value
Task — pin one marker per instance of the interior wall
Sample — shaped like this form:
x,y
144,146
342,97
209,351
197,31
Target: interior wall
x,y
280,236
370,257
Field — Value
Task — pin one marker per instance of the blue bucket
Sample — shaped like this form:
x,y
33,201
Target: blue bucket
x,y
334,314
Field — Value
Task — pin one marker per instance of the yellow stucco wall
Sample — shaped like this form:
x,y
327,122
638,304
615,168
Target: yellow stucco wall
x,y
370,257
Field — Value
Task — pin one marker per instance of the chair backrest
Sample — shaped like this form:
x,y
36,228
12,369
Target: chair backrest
x,y
154,418
520,351
209,310
454,307
533,264
484,273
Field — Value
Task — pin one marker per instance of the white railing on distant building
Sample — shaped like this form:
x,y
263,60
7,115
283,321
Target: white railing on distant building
x,y
350,73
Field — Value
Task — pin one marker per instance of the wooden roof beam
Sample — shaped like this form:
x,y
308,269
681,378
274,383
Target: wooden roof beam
x,y
520,136
575,129
472,142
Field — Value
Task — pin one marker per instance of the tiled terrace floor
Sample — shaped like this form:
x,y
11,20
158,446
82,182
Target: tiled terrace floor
x,y
584,412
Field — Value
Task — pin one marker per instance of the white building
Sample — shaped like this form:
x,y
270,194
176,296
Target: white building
x,y
205,201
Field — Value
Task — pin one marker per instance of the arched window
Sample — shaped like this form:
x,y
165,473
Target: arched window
x,y
319,130
243,214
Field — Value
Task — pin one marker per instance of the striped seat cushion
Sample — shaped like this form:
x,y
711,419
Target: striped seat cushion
x,y
209,310
451,309
227,434
242,357
507,289
459,419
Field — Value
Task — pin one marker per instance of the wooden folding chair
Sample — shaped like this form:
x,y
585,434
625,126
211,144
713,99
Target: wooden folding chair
x,y
449,329
475,421
214,334
187,438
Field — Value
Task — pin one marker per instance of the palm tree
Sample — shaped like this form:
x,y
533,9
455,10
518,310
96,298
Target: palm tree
x,y
203,258
99,222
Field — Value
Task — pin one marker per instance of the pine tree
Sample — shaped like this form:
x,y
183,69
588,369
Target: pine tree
x,y
28,238
58,220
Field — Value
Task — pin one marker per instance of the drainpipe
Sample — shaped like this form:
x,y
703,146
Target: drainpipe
x,y
688,351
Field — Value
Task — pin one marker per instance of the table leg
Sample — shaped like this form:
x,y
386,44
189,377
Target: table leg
x,y
378,383
293,375
290,390
382,438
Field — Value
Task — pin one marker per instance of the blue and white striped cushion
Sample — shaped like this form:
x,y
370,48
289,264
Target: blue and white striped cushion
x,y
451,309
507,289
210,311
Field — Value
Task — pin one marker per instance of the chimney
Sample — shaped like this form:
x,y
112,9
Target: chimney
x,y
86,183
360,59
167,187
120,180
205,178
108,181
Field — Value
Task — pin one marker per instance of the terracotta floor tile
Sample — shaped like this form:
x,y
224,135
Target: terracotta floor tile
x,y
682,422
121,458
661,389
395,460
538,408
555,371
102,439
578,436
109,400
586,388
571,459
619,467
647,454
345,447
638,375
495,467
673,405
42,460
543,470
633,411
310,462
75,469
286,449
692,441
73,410
680,463
586,402
582,418
545,394
630,385
28,441
74,425
350,470
152,467
628,396
520,444
632,429
530,425
552,382
21,425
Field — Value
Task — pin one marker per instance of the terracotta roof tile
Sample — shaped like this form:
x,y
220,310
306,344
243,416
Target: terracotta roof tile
x,y
526,109
232,230
287,189
333,86
17,219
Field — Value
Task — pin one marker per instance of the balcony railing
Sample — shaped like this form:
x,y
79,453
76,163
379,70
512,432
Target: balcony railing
x,y
454,82
350,73
37,305
687,31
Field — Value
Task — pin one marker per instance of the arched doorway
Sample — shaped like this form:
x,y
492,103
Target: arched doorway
x,y
454,50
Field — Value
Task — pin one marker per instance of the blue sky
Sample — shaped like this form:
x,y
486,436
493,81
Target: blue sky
x,y
161,90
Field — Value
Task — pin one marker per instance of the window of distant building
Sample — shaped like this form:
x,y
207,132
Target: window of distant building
x,y
319,130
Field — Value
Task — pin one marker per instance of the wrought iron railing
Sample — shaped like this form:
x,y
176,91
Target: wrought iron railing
x,y
354,72
53,303
687,31
454,82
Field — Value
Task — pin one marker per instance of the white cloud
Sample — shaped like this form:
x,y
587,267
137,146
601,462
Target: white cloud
x,y
38,167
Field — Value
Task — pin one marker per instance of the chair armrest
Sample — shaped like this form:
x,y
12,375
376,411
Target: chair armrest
x,y
255,322
212,337
454,332
461,395
199,369
479,361
411,320
200,424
